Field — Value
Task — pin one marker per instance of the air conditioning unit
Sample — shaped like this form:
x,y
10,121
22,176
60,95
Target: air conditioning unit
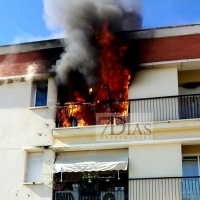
x,y
67,195
112,195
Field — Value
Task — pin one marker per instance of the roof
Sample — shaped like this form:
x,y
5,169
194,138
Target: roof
x,y
159,32
31,46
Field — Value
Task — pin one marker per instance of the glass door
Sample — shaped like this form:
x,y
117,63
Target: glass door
x,y
190,181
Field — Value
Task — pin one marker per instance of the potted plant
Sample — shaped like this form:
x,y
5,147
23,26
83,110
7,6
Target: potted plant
x,y
89,177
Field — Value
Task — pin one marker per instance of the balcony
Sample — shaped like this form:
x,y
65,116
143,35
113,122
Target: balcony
x,y
165,108
131,111
180,188
137,110
103,186
175,188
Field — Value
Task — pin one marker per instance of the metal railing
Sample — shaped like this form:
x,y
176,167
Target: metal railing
x,y
101,188
74,195
85,114
104,195
165,108
178,188
133,110
165,188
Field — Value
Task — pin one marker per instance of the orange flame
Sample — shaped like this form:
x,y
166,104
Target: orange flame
x,y
114,74
68,111
72,109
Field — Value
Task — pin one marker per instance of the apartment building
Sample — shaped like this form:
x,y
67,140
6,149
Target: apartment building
x,y
51,149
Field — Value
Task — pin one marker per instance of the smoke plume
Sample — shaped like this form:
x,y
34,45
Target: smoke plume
x,y
31,71
80,20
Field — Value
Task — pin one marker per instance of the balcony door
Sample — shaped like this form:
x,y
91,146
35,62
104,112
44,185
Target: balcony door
x,y
191,180
190,166
189,107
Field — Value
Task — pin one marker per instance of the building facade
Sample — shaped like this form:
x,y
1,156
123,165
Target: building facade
x,y
146,156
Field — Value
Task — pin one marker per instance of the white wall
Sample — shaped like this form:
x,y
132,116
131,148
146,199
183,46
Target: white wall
x,y
151,161
22,127
155,161
154,83
12,172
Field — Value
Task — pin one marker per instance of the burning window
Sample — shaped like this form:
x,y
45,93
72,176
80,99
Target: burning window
x,y
86,113
39,97
90,91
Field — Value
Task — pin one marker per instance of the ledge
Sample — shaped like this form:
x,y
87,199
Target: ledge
x,y
160,32
163,132
162,126
74,131
33,149
181,65
22,78
32,183
124,145
38,107
31,46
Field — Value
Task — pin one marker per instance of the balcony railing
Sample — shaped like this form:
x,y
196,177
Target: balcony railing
x,y
104,195
181,188
165,108
174,188
133,110
101,188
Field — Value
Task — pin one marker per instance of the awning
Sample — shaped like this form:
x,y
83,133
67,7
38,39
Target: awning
x,y
87,161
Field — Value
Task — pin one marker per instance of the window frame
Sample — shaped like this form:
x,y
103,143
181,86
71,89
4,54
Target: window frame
x,y
35,85
192,155
36,182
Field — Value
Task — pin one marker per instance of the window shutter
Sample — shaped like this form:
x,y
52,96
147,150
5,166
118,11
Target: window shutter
x,y
34,167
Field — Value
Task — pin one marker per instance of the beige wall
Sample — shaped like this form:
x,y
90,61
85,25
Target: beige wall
x,y
150,161
22,127
155,161
188,76
161,131
154,83
13,169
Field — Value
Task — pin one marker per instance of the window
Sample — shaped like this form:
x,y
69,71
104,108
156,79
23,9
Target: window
x,y
34,167
40,93
190,182
191,166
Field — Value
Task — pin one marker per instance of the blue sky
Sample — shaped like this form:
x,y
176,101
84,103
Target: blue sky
x,y
158,13
22,20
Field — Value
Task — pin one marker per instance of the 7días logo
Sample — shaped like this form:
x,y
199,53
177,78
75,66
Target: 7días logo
x,y
116,126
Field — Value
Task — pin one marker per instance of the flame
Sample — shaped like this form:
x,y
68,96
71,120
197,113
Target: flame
x,y
78,97
90,90
71,110
82,123
113,74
